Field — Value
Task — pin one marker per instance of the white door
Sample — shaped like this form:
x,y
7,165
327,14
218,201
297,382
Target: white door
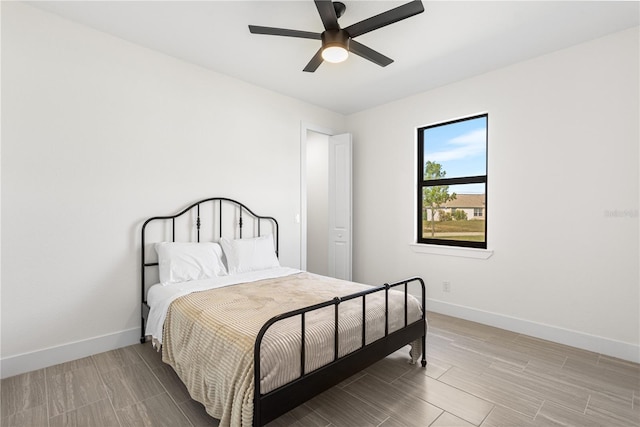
x,y
340,206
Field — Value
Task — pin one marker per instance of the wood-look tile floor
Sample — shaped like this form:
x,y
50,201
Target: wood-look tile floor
x,y
476,376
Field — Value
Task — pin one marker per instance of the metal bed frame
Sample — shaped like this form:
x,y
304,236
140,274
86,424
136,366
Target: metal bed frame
x,y
269,406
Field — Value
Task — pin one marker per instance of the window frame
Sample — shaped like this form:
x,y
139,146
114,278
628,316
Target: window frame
x,y
476,179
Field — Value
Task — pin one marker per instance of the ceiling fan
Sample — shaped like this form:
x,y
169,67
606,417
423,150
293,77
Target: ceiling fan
x,y
338,42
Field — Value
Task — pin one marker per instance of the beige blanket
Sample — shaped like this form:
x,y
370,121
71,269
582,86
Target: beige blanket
x,y
209,336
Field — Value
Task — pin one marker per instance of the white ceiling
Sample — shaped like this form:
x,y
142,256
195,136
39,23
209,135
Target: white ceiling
x,y
450,41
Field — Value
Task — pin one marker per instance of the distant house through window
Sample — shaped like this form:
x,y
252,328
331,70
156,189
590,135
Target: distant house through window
x,y
452,183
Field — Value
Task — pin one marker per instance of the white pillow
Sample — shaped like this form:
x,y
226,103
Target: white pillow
x,y
253,254
181,262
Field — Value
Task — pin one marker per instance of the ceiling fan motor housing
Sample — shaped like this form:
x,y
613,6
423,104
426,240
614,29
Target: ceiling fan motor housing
x,y
335,38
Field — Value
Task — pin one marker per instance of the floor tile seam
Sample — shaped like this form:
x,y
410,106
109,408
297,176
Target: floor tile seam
x,y
538,411
453,413
100,371
442,374
498,401
614,420
566,408
610,420
609,369
106,389
454,387
599,371
341,386
514,384
384,421
566,358
84,406
587,405
599,385
613,368
541,380
147,399
122,370
508,362
488,413
178,405
447,335
317,414
426,401
441,414
619,399
486,399
528,342
475,351
502,405
143,359
355,396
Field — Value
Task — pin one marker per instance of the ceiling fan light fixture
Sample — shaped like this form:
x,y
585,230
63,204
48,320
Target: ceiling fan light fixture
x,y
335,54
335,46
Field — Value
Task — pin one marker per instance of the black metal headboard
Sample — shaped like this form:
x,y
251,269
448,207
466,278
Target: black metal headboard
x,y
205,220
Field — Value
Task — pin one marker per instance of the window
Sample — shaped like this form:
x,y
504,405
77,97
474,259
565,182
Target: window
x,y
452,183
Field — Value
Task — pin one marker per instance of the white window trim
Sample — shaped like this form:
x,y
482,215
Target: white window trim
x,y
456,251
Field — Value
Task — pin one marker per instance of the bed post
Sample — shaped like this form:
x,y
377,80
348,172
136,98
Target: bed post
x,y
143,301
423,362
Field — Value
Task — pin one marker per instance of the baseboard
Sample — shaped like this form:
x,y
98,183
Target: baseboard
x,y
606,346
26,362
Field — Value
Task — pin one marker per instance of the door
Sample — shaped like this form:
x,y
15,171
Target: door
x,y
339,201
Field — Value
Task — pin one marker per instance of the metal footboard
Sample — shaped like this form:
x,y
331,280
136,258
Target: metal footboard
x,y
271,405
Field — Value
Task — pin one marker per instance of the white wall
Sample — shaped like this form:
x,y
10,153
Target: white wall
x,y
99,134
563,159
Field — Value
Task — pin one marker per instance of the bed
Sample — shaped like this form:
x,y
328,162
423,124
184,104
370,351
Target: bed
x,y
252,339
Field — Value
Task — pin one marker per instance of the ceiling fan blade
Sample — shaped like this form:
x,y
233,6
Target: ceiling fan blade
x,y
256,29
327,14
399,13
315,62
368,53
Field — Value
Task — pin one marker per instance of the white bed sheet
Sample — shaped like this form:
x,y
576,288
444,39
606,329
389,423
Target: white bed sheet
x,y
160,297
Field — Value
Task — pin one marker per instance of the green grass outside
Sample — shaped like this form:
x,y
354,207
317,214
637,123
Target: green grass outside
x,y
473,226
474,238
456,230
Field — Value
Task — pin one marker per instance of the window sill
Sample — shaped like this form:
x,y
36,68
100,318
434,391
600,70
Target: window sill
x,y
451,251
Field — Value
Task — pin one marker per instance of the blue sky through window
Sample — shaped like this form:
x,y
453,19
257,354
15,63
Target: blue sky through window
x,y
461,149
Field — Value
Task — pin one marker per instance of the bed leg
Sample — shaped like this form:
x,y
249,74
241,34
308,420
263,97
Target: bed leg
x,y
424,351
143,338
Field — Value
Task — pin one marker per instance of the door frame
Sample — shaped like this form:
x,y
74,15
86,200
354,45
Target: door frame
x,y
304,128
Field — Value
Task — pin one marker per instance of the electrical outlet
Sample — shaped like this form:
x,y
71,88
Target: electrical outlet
x,y
446,286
